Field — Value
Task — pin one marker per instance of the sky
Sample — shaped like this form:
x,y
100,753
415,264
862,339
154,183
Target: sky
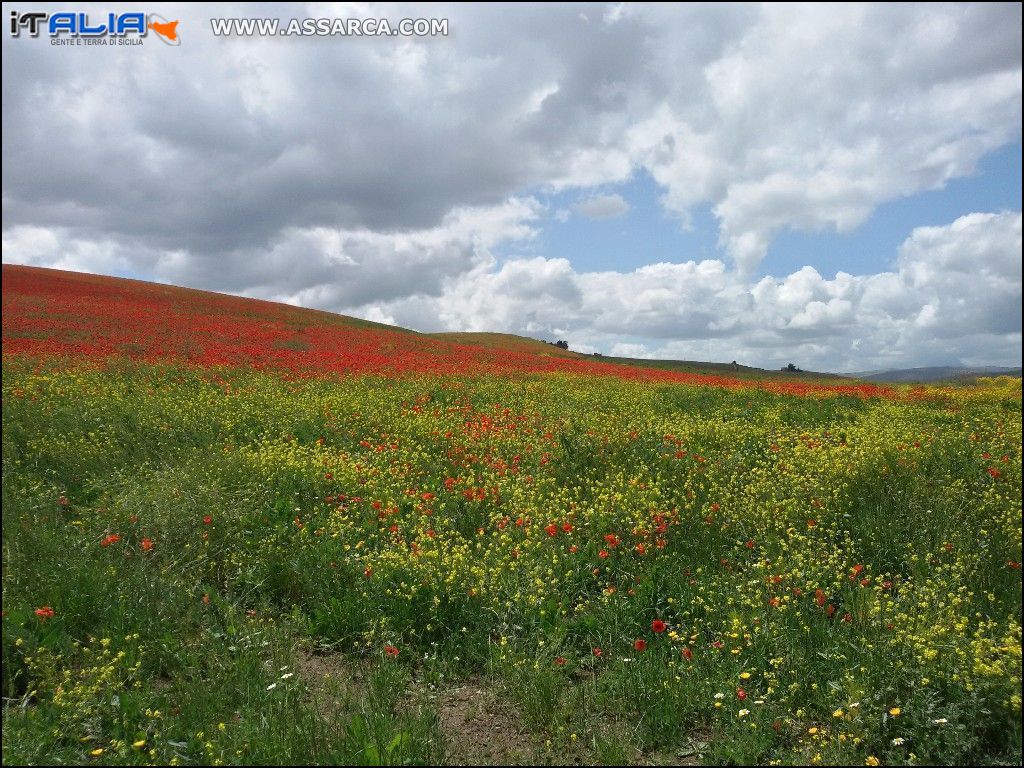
x,y
834,186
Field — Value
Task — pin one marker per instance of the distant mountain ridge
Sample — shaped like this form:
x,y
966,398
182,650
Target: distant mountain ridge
x,y
936,373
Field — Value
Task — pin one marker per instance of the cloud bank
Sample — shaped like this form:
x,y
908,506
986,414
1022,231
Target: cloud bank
x,y
382,177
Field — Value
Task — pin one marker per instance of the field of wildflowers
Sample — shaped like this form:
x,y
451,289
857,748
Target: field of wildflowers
x,y
234,533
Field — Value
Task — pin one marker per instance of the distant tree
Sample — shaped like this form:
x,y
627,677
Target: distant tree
x,y
562,344
792,368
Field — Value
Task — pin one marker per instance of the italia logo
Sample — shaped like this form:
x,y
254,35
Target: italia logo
x,y
122,26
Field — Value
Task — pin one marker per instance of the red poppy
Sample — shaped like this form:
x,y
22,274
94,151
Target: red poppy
x,y
741,694
598,651
560,661
108,540
46,612
603,553
63,501
390,650
658,626
207,519
687,654
146,545
640,644
819,597
567,527
551,529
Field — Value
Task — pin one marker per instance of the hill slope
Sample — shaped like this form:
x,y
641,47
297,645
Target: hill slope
x,y
510,342
50,313
507,342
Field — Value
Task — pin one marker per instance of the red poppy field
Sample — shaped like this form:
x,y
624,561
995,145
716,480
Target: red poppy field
x,y
237,532
49,313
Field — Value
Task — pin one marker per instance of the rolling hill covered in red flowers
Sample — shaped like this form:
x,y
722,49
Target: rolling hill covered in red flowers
x,y
49,313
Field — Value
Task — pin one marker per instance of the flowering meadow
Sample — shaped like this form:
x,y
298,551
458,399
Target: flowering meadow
x,y
237,532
